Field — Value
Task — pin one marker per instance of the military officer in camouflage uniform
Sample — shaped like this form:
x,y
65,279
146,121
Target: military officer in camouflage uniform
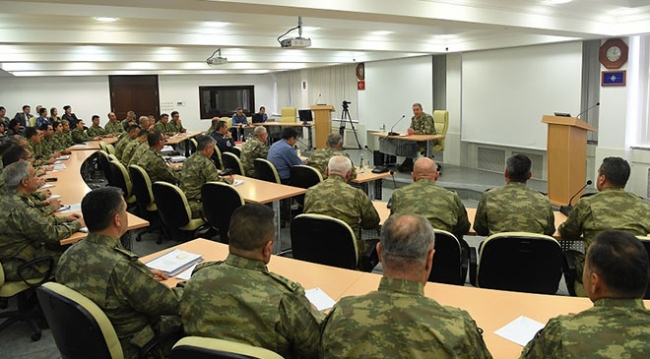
x,y
34,138
421,124
213,126
335,198
154,163
397,320
113,126
240,300
514,207
124,142
140,149
176,124
254,148
197,170
113,278
615,279
611,208
133,144
441,207
320,158
47,144
97,131
66,135
163,126
59,139
26,233
79,136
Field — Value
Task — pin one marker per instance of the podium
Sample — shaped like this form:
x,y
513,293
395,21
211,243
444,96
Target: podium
x,y
566,157
322,123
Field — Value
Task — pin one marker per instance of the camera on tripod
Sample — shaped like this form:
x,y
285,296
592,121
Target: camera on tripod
x,y
346,104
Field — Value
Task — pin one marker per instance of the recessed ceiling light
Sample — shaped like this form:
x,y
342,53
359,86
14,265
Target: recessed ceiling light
x,y
381,32
555,2
216,24
106,19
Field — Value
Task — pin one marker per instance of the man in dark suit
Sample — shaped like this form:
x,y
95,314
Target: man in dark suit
x,y
23,117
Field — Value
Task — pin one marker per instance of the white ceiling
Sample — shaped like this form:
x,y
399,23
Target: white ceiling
x,y
63,37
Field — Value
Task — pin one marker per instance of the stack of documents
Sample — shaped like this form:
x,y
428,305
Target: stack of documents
x,y
237,182
63,158
175,262
59,166
177,159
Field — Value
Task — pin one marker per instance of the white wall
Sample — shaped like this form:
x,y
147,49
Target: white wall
x,y
177,88
87,95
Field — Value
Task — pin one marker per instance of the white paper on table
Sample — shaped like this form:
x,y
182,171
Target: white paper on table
x,y
237,182
187,274
63,158
46,186
57,162
80,145
59,166
55,196
319,299
167,148
71,208
83,229
520,330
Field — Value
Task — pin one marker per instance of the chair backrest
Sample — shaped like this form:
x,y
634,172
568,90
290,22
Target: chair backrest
x,y
212,348
448,260
217,158
441,123
231,161
325,240
305,176
102,162
236,151
521,262
646,243
141,187
228,120
120,178
265,170
112,157
288,114
220,200
79,327
193,145
172,205
32,121
110,149
103,147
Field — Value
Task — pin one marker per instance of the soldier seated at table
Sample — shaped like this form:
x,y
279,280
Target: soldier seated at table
x,y
154,163
515,207
253,149
321,157
615,279
421,124
397,320
240,300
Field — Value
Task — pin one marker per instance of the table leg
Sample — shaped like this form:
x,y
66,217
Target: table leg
x,y
429,149
277,246
310,135
379,185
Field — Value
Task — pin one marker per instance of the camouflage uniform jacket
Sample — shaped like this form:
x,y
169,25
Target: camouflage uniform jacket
x,y
69,141
26,233
612,208
613,328
321,158
335,198
177,127
122,144
156,167
441,207
398,321
240,300
210,130
164,128
253,148
60,141
3,189
423,125
79,136
128,151
197,170
115,128
37,152
515,207
123,287
96,131
140,150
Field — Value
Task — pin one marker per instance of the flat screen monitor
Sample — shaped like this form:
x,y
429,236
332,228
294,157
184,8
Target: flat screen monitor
x,y
305,116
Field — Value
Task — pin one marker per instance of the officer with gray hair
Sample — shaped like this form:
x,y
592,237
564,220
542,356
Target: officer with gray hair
x,y
320,158
254,148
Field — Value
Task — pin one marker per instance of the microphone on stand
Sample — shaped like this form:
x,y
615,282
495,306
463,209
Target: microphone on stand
x,y
566,210
391,133
587,110
317,99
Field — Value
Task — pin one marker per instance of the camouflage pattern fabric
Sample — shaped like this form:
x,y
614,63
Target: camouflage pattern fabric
x,y
253,148
240,300
321,158
611,208
398,321
197,170
441,207
123,287
210,130
47,146
156,167
128,150
115,128
164,128
79,136
96,131
613,328
3,189
177,127
139,151
512,208
121,145
61,141
37,152
26,233
423,125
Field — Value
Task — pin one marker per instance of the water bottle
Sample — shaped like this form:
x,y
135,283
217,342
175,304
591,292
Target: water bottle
x,y
361,165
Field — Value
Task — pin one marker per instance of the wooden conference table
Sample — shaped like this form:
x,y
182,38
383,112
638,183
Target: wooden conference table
x,y
412,138
367,179
72,189
491,309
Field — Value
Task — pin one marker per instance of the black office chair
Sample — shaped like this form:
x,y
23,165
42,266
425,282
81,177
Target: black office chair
x,y
220,200
304,177
646,243
231,161
518,261
451,261
236,151
212,348
145,199
265,171
174,211
217,159
192,145
326,240
120,178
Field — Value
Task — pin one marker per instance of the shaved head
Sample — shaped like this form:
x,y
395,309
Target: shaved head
x,y
424,167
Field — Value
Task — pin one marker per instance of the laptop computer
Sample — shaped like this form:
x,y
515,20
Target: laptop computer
x,y
305,116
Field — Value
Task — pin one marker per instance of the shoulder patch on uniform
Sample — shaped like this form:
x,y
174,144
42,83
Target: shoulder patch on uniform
x,y
291,285
132,256
207,265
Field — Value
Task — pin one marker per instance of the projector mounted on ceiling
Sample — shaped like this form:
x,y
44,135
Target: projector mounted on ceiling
x,y
218,60
295,42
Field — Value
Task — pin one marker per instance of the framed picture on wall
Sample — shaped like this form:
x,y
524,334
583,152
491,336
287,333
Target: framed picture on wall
x,y
612,78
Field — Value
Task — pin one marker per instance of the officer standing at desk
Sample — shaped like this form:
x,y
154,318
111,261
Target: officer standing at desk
x,y
421,124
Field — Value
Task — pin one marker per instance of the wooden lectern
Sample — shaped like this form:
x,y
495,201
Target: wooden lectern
x,y
322,123
566,157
